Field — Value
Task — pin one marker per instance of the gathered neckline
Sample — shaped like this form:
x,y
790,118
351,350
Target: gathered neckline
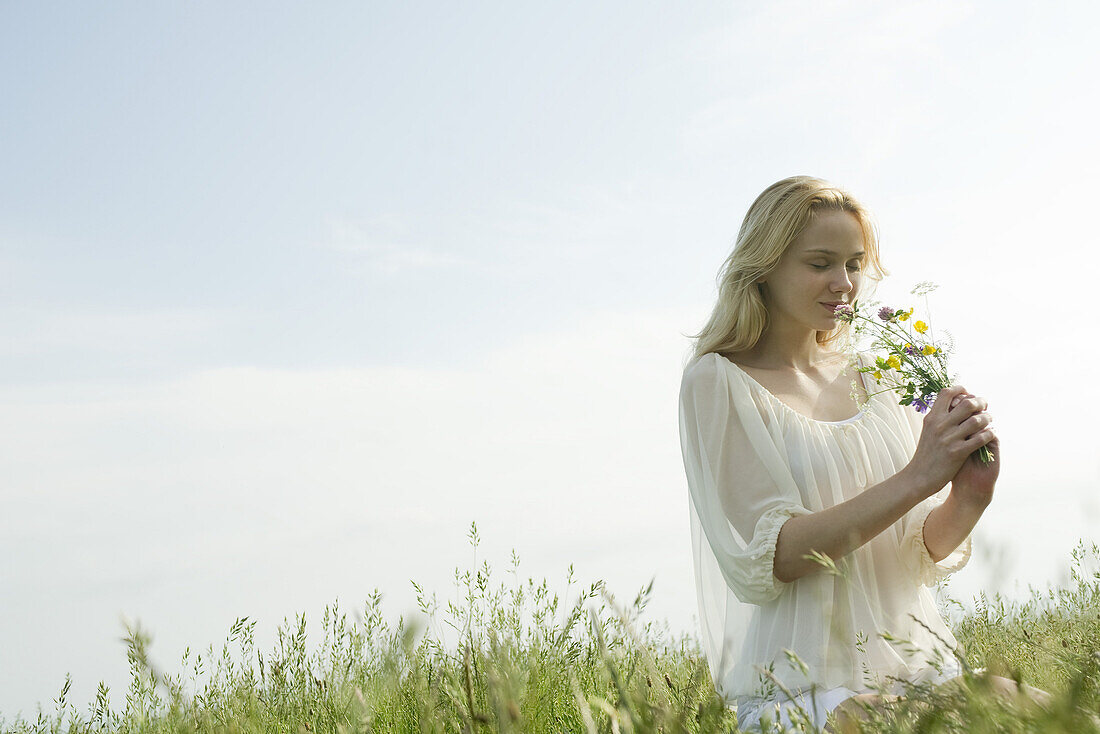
x,y
854,419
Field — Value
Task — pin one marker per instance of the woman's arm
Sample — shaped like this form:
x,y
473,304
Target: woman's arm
x,y
840,529
948,525
948,437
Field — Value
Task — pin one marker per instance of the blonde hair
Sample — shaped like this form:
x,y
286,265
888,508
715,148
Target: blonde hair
x,y
773,221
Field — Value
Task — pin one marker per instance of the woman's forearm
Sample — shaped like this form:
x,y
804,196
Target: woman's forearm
x,y
840,529
948,525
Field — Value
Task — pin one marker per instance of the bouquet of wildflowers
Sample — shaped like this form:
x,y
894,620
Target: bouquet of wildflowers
x,y
915,365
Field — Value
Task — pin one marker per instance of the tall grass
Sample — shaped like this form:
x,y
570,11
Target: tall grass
x,y
514,656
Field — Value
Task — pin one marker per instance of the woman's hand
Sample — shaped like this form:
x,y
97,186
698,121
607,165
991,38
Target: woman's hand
x,y
953,430
973,482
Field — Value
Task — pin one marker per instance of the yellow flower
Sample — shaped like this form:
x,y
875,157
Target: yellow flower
x,y
920,326
894,362
929,349
904,315
877,374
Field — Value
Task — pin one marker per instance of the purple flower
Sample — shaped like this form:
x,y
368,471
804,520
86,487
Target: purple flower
x,y
922,403
844,312
886,313
912,351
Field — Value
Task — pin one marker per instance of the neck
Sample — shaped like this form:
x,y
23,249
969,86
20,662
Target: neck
x,y
804,355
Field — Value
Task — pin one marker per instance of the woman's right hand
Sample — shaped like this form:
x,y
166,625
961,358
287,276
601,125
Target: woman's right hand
x,y
955,426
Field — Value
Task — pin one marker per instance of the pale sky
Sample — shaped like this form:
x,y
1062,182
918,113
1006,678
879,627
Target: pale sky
x,y
293,293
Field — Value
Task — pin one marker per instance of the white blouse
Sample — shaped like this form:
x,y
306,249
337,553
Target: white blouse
x,y
753,462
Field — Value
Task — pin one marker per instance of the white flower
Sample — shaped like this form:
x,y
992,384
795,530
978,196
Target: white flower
x,y
923,288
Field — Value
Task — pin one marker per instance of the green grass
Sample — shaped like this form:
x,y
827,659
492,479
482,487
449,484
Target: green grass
x,y
528,660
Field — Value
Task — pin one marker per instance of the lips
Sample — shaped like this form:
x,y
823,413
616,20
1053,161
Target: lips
x,y
832,305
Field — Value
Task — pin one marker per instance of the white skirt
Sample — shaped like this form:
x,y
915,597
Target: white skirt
x,y
752,710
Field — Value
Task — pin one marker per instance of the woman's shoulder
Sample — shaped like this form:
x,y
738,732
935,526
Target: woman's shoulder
x,y
713,363
714,376
702,367
712,372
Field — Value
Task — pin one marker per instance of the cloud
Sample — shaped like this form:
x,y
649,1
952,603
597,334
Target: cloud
x,y
381,245
564,435
510,235
34,329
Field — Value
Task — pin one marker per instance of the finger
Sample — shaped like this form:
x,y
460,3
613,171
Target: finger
x,y
945,396
966,406
979,439
980,404
971,426
983,421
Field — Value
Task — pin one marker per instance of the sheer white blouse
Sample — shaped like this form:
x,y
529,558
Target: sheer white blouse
x,y
753,462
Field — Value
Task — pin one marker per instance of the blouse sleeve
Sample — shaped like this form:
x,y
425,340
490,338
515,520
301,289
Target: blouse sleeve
x,y
914,552
741,489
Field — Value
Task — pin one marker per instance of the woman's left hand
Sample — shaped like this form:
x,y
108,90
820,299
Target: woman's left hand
x,y
974,481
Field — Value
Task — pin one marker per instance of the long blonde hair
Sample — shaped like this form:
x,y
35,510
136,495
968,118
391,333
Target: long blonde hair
x,y
773,221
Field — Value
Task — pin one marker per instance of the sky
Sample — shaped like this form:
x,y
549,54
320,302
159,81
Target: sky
x,y
290,295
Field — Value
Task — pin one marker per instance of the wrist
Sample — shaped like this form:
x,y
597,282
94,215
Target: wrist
x,y
918,484
967,501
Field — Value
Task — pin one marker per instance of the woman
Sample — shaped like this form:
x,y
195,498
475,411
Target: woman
x,y
788,450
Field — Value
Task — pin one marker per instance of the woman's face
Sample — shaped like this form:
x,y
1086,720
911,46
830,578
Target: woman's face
x,y
822,265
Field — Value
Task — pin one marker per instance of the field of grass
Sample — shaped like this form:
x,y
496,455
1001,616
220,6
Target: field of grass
x,y
531,660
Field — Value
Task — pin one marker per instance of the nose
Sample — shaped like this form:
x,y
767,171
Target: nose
x,y
844,283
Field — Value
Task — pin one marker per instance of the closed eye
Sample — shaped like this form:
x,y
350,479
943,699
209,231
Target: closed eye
x,y
826,267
